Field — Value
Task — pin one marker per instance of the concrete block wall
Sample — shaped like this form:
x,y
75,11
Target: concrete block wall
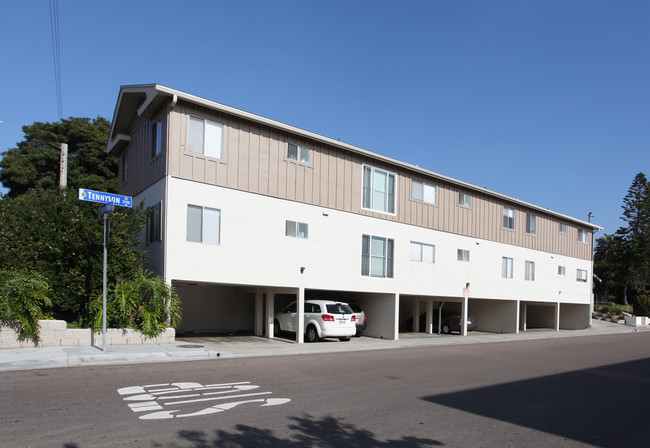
x,y
54,333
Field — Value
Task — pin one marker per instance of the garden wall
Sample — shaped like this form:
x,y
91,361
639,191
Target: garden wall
x,y
54,333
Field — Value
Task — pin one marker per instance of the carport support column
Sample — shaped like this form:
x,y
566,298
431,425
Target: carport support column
x,y
557,316
429,321
463,328
416,314
270,311
259,313
300,333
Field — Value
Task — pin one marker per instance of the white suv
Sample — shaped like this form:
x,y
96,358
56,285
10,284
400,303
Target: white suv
x,y
323,319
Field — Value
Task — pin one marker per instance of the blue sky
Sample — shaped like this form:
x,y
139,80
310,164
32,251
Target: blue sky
x,y
543,100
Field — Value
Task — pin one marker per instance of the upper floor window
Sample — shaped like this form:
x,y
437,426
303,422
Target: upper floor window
x,y
378,190
423,252
205,137
561,270
377,256
203,224
506,267
562,227
531,223
508,217
154,223
423,191
299,153
156,138
581,275
462,255
124,165
464,199
582,235
297,229
530,270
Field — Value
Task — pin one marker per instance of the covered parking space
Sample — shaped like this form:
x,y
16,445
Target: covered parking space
x,y
418,313
539,315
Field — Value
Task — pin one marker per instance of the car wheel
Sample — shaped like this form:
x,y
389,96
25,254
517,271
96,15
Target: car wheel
x,y
276,328
446,329
344,339
312,334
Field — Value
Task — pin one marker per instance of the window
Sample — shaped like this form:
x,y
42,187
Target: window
x,y
463,255
423,191
508,218
464,199
377,256
299,153
530,270
581,275
506,267
156,138
297,229
423,252
562,227
378,190
531,223
205,137
561,270
582,236
154,223
203,224
124,164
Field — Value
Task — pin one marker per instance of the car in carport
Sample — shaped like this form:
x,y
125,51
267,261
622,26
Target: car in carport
x,y
451,321
323,319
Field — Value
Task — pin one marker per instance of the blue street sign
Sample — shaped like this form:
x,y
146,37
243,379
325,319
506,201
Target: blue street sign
x,y
104,198
106,208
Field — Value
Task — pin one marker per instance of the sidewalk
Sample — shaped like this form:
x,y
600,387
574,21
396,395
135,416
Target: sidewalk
x,y
204,348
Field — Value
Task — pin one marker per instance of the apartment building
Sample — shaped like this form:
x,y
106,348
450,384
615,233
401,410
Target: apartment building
x,y
248,213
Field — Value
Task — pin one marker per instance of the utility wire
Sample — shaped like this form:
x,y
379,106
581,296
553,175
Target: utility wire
x,y
56,51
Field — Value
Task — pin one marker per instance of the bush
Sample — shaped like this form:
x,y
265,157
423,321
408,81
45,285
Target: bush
x,y
144,303
642,305
22,297
613,309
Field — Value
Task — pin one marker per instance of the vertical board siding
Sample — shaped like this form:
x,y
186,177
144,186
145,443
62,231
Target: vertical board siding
x,y
254,159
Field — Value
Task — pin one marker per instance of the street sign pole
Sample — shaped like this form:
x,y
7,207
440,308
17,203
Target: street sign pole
x,y
106,229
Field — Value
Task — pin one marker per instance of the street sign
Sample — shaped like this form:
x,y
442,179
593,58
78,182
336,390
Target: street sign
x,y
106,208
104,198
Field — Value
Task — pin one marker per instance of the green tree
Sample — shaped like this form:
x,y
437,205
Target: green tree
x,y
22,299
609,267
34,163
61,237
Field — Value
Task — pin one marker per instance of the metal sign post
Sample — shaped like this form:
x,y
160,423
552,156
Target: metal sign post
x,y
108,202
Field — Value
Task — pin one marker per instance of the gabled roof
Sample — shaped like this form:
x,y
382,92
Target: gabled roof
x,y
144,99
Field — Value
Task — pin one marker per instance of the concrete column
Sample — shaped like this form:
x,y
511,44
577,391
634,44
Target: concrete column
x,y
517,322
416,314
270,311
524,309
557,316
429,321
259,313
300,309
395,317
463,327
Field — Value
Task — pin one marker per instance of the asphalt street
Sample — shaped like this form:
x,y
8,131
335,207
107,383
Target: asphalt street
x,y
582,391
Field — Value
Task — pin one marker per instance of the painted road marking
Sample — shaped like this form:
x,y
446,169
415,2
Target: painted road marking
x,y
154,398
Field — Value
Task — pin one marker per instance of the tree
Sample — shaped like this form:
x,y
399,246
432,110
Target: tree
x,y
34,163
61,237
608,266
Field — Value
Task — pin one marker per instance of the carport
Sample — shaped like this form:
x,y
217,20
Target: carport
x,y
539,315
411,307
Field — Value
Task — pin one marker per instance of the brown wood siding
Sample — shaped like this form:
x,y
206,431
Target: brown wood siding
x,y
254,160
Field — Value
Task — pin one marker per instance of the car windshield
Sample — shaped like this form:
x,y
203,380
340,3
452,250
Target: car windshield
x,y
338,308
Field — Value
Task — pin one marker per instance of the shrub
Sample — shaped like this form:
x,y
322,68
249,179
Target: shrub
x,y
642,305
22,297
144,303
613,309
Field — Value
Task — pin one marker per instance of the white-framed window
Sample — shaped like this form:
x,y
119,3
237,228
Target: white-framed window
x,y
508,217
377,256
423,191
156,138
561,270
124,166
531,223
299,153
297,229
465,199
378,190
425,253
203,224
506,267
581,275
582,235
530,270
206,137
154,223
563,227
462,255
